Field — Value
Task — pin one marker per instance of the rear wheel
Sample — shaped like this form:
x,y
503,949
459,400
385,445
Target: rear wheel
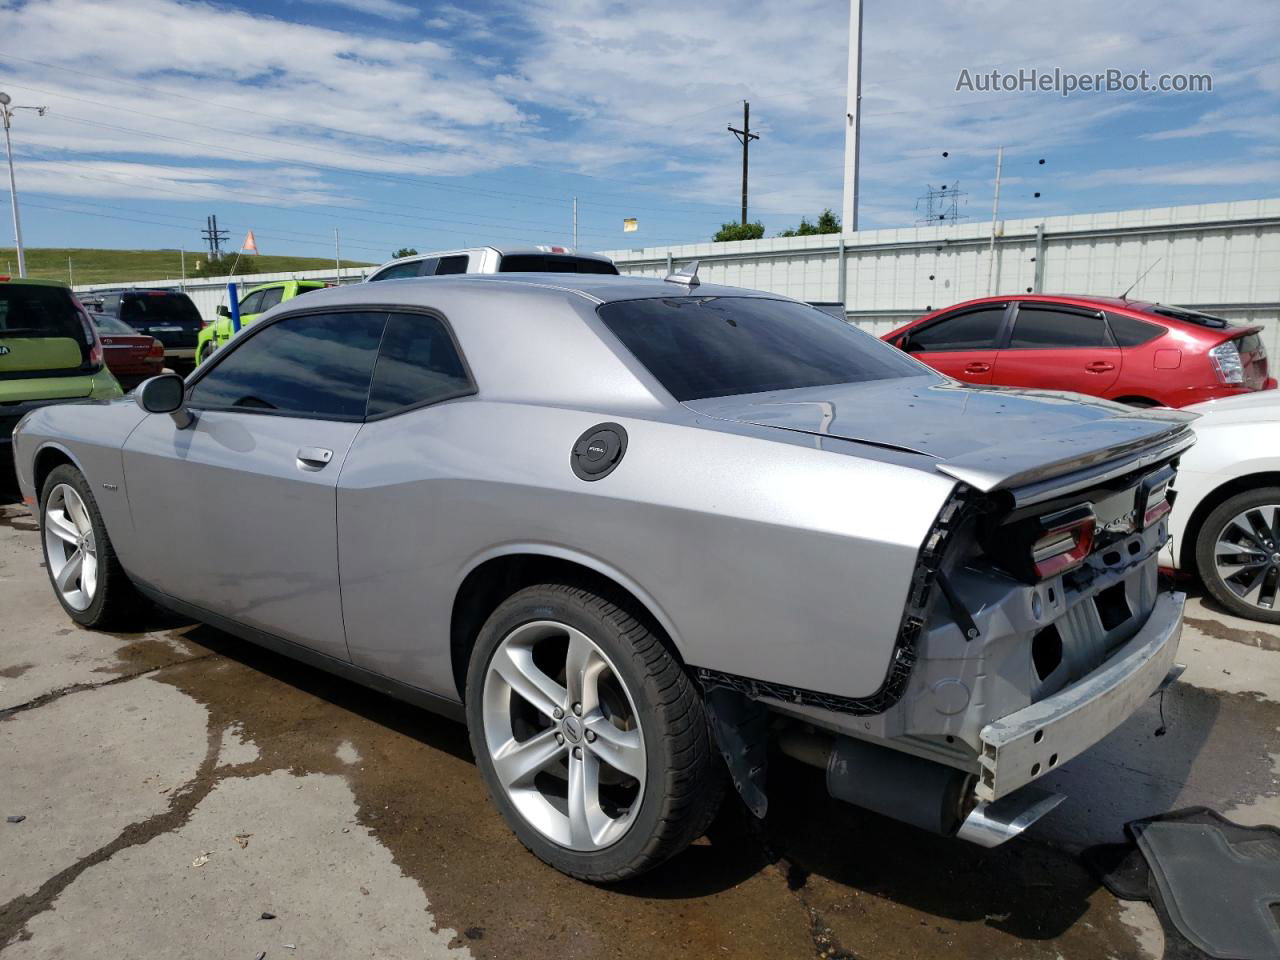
x,y
87,578
1238,554
590,737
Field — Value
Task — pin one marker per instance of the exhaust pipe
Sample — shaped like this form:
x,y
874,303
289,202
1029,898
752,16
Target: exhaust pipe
x,y
928,795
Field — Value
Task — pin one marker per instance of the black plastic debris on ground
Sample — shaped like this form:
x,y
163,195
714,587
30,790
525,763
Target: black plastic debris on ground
x,y
1213,883
16,818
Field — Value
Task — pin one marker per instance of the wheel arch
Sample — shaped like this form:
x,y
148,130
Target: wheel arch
x,y
1209,502
47,458
495,575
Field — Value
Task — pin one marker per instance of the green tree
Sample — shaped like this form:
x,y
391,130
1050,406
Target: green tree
x,y
828,222
404,252
739,231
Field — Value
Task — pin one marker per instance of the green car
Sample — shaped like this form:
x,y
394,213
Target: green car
x,y
49,352
252,305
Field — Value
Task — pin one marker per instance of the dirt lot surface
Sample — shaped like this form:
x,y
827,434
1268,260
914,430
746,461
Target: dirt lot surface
x,y
177,784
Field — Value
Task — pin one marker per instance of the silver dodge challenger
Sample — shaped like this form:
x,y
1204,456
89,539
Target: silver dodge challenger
x,y
641,535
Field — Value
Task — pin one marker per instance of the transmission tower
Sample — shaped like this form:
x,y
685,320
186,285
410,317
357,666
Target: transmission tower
x,y
214,237
941,205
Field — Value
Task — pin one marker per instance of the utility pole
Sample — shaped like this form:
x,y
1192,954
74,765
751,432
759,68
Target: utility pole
x,y
182,259
337,254
71,280
853,120
6,112
575,223
995,212
745,136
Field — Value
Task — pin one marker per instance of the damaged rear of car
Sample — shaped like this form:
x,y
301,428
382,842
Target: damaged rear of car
x,y
1034,624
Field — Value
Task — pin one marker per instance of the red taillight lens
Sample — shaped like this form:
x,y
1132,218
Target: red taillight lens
x,y
1067,541
1155,499
156,353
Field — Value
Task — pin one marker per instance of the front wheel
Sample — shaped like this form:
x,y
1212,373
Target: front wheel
x,y
87,578
1238,554
590,736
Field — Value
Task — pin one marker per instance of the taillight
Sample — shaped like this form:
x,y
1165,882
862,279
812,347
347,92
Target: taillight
x,y
1155,498
1227,363
91,335
1065,543
156,353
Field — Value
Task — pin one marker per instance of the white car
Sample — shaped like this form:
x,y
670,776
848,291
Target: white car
x,y
1225,525
545,258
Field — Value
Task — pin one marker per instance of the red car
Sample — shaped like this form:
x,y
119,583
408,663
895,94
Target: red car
x,y
130,356
1144,354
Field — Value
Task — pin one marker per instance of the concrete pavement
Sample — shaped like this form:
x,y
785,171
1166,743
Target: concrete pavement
x,y
179,783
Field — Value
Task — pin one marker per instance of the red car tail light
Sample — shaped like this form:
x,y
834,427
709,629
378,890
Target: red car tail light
x,y
156,353
1155,498
1066,542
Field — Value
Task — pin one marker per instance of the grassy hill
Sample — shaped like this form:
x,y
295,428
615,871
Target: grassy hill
x,y
123,266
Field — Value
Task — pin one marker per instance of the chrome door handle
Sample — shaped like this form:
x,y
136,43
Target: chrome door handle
x,y
977,367
313,458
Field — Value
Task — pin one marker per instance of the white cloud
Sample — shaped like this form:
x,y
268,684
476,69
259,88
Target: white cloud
x,y
388,9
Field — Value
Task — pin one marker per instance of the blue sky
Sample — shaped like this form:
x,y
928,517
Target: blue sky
x,y
438,125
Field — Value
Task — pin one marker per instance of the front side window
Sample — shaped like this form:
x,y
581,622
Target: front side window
x,y
270,297
252,303
699,347
972,330
318,365
398,272
1038,328
417,364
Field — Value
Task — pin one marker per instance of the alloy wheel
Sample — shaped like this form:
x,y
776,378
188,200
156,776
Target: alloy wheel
x,y
1247,555
564,736
71,547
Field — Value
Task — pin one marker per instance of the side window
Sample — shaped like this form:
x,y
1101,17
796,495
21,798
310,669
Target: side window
x,y
1131,332
457,264
111,304
1046,327
429,265
131,311
400,270
252,303
972,330
317,365
270,297
417,364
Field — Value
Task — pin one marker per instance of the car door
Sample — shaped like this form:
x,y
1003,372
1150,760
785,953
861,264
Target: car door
x,y
236,513
1059,347
961,344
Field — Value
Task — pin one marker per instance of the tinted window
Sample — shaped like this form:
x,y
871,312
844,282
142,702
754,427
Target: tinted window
x,y
972,330
1130,332
159,307
314,366
452,265
31,311
252,303
270,297
417,364
112,325
399,271
1038,327
553,263
721,346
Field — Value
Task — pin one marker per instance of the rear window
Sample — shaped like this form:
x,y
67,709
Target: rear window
x,y
152,308
33,312
110,325
723,346
554,263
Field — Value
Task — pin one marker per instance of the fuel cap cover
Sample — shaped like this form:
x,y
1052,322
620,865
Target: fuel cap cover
x,y
598,451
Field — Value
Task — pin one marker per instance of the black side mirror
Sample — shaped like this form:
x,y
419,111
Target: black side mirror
x,y
165,394
223,311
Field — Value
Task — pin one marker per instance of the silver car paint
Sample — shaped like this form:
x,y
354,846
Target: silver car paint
x,y
774,553
258,538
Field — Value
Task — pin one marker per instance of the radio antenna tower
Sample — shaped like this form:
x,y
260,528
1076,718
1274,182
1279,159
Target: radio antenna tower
x,y
941,205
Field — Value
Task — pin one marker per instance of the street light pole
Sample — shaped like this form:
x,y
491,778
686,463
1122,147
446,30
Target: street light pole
x,y
6,113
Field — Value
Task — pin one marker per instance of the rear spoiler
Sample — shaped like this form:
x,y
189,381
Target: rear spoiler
x,y
1074,459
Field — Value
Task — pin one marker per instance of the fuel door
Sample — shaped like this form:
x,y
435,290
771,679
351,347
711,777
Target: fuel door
x,y
598,451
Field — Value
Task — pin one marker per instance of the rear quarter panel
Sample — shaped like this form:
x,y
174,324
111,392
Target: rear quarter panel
x,y
774,559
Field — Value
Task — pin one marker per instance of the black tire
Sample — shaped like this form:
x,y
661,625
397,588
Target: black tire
x,y
1207,539
684,780
116,604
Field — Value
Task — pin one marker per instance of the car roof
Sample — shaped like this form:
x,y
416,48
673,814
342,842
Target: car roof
x,y
31,281
597,287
